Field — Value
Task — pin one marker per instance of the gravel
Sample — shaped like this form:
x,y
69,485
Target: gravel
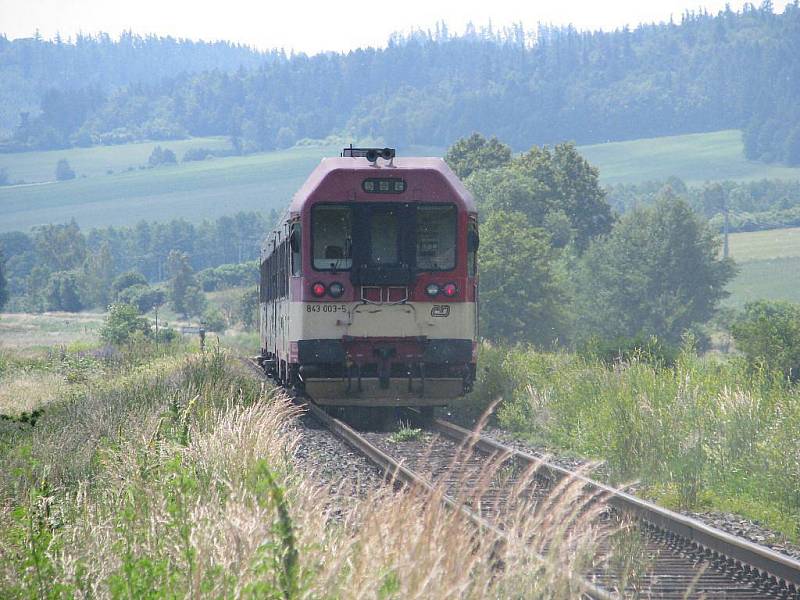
x,y
323,456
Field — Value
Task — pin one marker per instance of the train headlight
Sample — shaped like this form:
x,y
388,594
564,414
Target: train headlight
x,y
336,289
432,289
450,290
318,289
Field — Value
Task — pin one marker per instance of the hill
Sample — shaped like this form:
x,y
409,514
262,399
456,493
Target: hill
x,y
695,158
263,181
194,190
732,70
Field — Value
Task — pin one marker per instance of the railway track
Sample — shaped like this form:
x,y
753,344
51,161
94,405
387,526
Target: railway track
x,y
485,480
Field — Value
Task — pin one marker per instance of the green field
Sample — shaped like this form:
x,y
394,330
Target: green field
x,y
195,190
769,266
695,158
112,189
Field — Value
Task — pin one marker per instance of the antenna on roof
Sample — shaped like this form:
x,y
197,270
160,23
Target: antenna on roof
x,y
371,154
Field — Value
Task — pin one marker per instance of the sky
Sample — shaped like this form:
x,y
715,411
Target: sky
x,y
313,26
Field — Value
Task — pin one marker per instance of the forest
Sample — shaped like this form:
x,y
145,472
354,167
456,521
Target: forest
x,y
732,70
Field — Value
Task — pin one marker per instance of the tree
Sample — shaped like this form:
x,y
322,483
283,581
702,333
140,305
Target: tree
x,y
791,153
98,273
63,292
3,283
64,171
184,292
247,308
768,332
122,323
573,186
476,153
520,298
543,182
161,156
143,297
126,280
60,247
657,273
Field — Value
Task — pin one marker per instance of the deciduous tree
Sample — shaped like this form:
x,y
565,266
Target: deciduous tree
x,y
657,273
521,300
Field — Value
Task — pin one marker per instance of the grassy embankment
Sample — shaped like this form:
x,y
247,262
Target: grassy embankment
x,y
702,434
169,475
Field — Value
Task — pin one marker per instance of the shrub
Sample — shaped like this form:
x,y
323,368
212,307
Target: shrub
x,y
142,297
122,322
247,308
161,156
213,320
63,292
768,332
647,349
126,280
228,276
64,171
193,154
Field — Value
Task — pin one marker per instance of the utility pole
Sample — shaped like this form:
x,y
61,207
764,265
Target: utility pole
x,y
155,307
725,247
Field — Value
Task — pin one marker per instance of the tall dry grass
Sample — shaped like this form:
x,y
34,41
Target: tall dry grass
x,y
180,483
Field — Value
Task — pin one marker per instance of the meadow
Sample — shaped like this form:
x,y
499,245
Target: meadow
x,y
769,266
112,189
194,191
703,433
695,158
171,474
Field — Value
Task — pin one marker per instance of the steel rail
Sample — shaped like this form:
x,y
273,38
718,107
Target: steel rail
x,y
781,572
743,552
398,472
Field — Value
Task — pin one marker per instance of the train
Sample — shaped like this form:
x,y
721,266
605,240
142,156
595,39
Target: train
x,y
368,291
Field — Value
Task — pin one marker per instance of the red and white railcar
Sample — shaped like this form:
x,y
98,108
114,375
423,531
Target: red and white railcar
x,y
369,284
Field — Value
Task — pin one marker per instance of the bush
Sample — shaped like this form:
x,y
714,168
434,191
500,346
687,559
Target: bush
x,y
123,323
768,332
213,320
647,349
228,276
126,280
247,308
193,154
63,292
700,433
64,171
143,297
161,156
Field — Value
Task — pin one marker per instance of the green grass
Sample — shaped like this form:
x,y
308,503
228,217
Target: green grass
x,y
776,279
196,190
702,434
769,266
695,158
765,245
37,167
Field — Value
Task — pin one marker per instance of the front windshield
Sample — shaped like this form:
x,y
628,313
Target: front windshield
x,y
384,236
436,237
332,230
